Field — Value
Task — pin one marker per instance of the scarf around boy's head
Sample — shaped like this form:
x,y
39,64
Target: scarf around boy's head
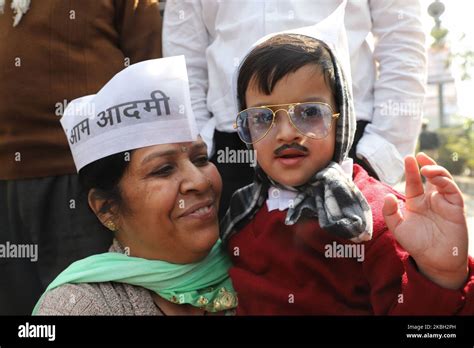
x,y
330,196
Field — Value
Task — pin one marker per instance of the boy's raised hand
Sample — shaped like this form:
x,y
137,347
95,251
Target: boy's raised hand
x,y
432,227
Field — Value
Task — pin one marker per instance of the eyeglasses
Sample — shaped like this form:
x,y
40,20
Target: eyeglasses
x,y
313,119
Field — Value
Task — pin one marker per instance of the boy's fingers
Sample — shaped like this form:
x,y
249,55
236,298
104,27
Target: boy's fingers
x,y
448,188
424,160
430,171
414,185
391,212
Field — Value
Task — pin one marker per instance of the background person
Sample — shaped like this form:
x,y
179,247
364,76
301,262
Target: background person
x,y
54,51
429,141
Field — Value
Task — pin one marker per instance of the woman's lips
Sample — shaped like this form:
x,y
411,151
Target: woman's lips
x,y
202,211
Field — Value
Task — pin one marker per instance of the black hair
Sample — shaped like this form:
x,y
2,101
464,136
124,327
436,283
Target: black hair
x,y
104,176
282,54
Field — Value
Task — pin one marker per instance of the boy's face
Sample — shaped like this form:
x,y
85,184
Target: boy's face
x,y
297,164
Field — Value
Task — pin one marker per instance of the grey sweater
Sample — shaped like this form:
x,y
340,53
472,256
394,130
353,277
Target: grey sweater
x,y
107,298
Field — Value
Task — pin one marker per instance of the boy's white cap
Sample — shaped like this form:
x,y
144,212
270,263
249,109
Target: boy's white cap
x,y
147,103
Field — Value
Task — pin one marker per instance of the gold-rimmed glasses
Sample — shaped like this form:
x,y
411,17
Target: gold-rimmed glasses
x,y
311,119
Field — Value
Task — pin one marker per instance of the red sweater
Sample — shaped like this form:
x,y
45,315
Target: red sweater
x,y
283,270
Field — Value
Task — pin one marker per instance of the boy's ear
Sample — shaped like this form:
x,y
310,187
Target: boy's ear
x,y
104,209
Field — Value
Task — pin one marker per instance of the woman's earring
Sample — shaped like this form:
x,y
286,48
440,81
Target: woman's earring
x,y
111,225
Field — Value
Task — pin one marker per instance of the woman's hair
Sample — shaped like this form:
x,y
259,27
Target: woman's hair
x,y
280,55
104,176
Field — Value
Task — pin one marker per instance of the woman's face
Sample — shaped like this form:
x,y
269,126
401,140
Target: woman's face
x,y
171,193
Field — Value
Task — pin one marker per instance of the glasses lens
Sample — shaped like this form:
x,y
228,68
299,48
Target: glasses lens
x,y
312,120
252,124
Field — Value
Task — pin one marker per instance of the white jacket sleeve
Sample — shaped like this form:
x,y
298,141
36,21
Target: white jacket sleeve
x,y
399,88
184,33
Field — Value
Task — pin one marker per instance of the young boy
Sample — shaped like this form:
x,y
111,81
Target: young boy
x,y
309,237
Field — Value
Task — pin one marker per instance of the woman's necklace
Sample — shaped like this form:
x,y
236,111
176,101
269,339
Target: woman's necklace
x,y
156,298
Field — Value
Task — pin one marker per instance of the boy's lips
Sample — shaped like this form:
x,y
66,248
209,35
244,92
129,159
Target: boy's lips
x,y
291,156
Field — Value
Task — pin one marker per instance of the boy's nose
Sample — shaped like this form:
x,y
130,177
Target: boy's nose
x,y
286,132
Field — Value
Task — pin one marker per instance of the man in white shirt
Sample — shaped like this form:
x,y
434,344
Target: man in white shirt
x,y
387,80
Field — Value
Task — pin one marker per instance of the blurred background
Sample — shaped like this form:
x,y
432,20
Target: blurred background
x,y
448,125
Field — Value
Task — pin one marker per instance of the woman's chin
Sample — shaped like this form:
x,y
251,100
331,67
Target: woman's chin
x,y
203,240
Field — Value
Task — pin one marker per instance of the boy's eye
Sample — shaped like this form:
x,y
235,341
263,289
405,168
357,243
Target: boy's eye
x,y
311,112
262,117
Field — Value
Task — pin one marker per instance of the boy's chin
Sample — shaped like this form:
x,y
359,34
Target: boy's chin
x,y
291,180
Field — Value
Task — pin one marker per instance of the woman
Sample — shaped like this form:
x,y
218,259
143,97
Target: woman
x,y
149,181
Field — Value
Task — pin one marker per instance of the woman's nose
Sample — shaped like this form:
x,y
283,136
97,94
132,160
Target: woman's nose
x,y
193,180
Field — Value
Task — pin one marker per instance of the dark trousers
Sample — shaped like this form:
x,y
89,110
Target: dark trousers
x,y
234,175
51,213
237,175
352,152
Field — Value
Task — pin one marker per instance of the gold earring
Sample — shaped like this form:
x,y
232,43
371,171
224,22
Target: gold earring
x,y
111,225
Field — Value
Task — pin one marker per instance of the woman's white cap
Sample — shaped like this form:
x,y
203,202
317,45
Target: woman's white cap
x,y
145,104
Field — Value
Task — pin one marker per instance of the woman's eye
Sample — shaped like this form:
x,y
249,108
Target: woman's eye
x,y
201,161
163,171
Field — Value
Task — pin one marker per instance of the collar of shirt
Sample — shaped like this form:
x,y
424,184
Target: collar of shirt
x,y
281,199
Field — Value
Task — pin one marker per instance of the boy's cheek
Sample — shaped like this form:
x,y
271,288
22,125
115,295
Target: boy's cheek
x,y
262,154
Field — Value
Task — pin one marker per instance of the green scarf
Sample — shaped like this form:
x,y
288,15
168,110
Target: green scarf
x,y
205,284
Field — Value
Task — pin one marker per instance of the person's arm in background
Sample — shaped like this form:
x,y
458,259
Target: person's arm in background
x,y
400,86
139,25
184,33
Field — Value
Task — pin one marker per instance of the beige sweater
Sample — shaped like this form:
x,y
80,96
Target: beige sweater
x,y
108,298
